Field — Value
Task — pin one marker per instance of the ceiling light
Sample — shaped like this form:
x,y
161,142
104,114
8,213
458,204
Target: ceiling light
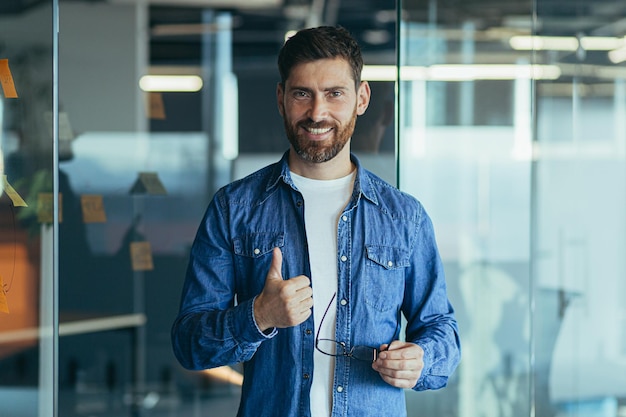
x,y
470,72
171,83
379,72
376,37
461,72
289,34
565,43
601,43
618,55
242,4
543,43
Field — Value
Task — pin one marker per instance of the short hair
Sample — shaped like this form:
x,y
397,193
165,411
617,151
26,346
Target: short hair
x,y
322,42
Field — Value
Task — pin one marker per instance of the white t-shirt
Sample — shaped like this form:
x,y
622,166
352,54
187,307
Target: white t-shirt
x,y
324,201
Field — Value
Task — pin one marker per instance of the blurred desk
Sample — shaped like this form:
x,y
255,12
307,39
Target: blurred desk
x,y
73,327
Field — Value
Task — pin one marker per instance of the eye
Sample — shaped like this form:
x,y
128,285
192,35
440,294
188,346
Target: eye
x,y
336,93
299,94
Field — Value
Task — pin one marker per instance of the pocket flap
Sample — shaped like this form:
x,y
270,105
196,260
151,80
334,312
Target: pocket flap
x,y
257,244
388,257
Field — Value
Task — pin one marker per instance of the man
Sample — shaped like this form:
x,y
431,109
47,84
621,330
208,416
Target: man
x,y
301,270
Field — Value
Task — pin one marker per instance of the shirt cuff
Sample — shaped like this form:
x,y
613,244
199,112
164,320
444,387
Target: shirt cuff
x,y
427,381
269,333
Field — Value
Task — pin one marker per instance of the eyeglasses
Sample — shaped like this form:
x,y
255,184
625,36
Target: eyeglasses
x,y
332,347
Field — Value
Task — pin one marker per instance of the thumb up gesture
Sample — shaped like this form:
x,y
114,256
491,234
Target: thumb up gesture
x,y
282,303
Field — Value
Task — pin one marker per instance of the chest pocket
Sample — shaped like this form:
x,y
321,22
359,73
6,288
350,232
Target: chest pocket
x,y
384,276
253,257
255,245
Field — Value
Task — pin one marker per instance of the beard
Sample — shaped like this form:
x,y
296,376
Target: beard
x,y
318,152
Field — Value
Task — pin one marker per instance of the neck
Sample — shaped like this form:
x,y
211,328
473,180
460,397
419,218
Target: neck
x,y
338,167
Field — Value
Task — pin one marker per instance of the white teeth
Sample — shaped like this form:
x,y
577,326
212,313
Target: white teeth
x,y
319,131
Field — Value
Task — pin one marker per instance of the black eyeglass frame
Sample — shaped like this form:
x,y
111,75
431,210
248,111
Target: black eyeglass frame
x,y
353,352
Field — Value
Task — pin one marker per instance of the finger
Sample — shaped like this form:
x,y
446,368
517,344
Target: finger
x,y
400,365
398,350
304,297
396,374
275,271
300,282
399,382
402,378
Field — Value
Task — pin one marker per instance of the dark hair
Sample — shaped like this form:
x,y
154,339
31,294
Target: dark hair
x,y
322,42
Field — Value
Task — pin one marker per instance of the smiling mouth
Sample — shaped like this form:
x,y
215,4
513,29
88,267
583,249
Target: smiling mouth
x,y
318,130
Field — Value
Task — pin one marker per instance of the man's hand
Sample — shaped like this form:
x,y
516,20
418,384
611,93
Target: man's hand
x,y
400,364
282,303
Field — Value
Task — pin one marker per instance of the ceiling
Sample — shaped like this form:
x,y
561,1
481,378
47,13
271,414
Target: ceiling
x,y
259,26
259,32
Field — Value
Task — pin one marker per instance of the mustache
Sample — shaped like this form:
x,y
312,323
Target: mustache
x,y
309,124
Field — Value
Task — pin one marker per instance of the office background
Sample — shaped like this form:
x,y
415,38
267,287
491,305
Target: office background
x,y
507,119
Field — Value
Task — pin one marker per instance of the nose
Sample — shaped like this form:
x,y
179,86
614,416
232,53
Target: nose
x,y
318,110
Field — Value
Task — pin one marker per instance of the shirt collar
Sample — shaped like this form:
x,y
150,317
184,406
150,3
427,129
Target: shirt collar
x,y
362,183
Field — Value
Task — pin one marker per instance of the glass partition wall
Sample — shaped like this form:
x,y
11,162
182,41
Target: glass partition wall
x,y
28,214
579,192
506,120
465,114
29,211
511,132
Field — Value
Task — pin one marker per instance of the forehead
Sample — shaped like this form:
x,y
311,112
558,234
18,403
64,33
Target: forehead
x,y
330,72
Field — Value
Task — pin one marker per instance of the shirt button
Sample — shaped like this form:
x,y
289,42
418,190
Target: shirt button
x,y
389,264
306,376
257,251
299,203
340,389
308,331
344,258
344,302
344,218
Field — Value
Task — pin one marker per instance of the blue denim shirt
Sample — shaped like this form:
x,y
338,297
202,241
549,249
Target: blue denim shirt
x,y
387,262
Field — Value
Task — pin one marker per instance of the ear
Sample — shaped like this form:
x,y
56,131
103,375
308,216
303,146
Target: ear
x,y
363,97
280,96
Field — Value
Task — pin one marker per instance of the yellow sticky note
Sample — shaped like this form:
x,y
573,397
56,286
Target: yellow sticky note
x,y
93,208
156,108
6,79
45,206
13,195
4,305
141,256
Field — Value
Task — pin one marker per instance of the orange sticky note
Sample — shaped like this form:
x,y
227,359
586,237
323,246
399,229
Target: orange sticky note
x,y
4,305
6,79
141,256
17,200
45,205
156,108
93,208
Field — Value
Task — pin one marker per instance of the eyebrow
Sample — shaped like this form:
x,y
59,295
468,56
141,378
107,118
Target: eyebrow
x,y
310,90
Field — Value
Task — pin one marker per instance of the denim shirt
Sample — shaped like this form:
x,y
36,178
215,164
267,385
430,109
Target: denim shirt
x,y
387,262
